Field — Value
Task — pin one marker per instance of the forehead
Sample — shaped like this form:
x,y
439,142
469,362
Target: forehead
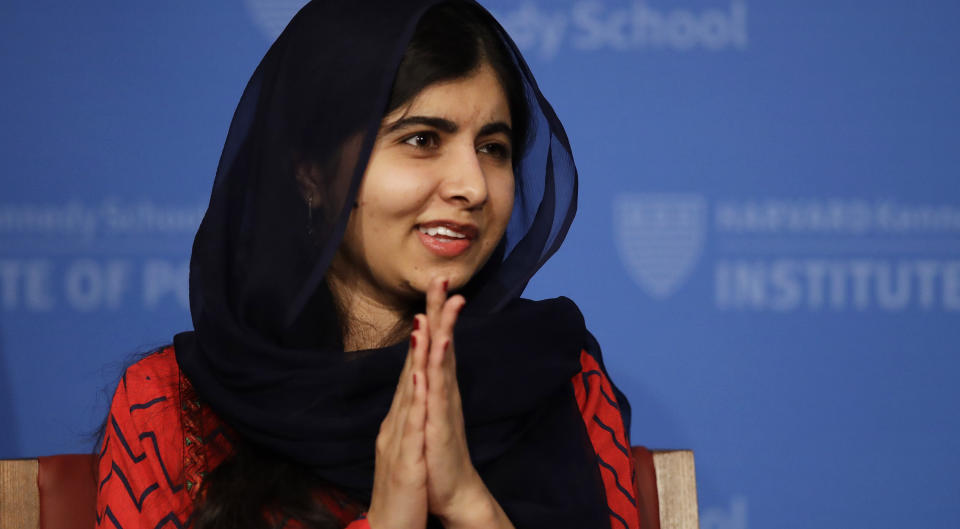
x,y
477,97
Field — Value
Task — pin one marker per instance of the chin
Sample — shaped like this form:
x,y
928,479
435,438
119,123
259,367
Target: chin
x,y
457,276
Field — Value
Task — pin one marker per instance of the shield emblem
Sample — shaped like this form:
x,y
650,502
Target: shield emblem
x,y
660,238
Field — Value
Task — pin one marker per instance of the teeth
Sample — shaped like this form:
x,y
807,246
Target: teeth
x,y
442,230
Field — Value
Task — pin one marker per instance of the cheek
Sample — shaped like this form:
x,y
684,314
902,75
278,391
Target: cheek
x,y
502,197
395,193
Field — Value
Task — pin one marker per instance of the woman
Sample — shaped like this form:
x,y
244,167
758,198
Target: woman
x,y
383,156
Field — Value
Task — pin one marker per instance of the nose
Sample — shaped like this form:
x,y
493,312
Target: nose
x,y
464,179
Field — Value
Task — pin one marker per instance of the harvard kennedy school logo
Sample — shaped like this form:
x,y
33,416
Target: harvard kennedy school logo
x,y
660,237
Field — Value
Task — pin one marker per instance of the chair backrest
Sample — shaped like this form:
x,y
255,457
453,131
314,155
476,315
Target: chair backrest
x,y
59,492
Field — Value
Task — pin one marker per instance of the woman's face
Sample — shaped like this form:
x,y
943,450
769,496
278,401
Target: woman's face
x,y
437,193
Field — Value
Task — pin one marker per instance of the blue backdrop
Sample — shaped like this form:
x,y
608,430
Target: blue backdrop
x,y
768,243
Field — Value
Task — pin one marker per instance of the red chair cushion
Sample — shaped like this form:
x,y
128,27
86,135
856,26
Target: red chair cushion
x,y
648,503
67,485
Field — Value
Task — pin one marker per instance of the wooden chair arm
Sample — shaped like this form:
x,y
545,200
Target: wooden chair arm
x,y
19,496
676,489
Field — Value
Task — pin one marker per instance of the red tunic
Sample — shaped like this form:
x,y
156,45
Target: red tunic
x,y
160,441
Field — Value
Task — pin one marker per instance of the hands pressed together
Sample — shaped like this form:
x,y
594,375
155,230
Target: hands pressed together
x,y
422,462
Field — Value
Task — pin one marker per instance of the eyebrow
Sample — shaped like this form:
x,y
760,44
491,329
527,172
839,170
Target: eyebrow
x,y
446,125
495,128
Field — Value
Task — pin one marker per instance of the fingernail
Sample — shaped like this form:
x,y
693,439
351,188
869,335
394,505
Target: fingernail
x,y
416,323
446,344
445,283
413,340
414,379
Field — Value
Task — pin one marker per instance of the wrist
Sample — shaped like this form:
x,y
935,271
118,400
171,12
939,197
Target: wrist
x,y
474,508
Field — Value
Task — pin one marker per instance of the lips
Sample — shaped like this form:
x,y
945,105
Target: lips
x,y
446,238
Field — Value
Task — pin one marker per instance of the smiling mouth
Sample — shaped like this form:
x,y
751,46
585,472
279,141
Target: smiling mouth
x,y
446,239
442,231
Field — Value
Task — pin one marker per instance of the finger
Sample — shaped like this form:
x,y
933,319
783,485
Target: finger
x,y
448,320
417,345
417,410
412,443
405,369
421,337
403,391
436,296
441,348
407,403
417,355
437,389
392,426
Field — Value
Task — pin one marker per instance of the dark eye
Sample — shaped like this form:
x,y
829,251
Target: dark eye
x,y
497,149
422,140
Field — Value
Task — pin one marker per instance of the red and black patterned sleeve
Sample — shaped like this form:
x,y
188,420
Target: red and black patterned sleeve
x,y
143,481
140,482
605,426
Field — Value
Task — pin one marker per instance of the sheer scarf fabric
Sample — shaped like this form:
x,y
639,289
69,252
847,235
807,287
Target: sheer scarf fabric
x,y
305,126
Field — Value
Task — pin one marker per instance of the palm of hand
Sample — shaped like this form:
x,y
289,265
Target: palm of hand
x,y
422,460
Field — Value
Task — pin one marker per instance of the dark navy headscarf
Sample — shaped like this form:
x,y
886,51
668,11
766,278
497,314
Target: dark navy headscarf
x,y
258,356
